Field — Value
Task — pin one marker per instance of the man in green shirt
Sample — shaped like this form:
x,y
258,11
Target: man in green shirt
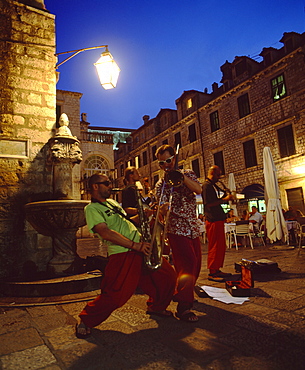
x,y
125,270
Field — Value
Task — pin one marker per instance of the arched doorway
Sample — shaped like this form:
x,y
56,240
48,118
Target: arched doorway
x,y
93,164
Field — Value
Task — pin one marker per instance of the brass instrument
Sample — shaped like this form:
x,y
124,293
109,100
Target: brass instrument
x,y
174,177
154,260
228,192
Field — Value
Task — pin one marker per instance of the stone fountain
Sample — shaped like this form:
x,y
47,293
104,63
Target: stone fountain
x,y
60,218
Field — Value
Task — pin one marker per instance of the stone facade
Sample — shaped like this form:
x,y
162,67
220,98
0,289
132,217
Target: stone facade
x,y
258,104
27,117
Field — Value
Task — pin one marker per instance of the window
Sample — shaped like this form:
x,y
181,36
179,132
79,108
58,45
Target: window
x,y
153,152
96,164
195,167
295,199
137,161
122,170
189,103
243,105
278,88
165,142
286,141
192,133
241,67
144,158
250,153
156,178
214,121
178,139
218,160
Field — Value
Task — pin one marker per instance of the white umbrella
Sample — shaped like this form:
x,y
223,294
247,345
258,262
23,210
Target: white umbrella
x,y
275,222
232,188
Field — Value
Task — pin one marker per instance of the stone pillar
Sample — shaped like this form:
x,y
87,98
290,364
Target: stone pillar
x,y
27,117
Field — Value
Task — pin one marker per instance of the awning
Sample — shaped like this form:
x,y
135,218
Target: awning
x,y
254,191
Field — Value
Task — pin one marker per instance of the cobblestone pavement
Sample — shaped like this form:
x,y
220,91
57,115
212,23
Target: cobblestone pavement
x,y
267,332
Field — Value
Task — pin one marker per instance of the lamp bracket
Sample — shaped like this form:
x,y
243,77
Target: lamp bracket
x,y
75,52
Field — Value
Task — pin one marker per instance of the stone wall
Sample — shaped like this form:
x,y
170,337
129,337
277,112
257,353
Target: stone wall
x,y
27,117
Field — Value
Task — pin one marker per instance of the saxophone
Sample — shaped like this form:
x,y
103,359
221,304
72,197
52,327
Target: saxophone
x,y
154,260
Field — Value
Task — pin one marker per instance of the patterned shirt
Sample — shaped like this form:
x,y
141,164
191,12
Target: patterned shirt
x,y
182,217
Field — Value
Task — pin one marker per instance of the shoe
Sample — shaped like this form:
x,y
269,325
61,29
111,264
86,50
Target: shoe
x,y
223,274
164,313
217,279
220,274
187,316
82,335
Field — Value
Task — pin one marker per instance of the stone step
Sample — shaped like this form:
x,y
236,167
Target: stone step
x,y
72,284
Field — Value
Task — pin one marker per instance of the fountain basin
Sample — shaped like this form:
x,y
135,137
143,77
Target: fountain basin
x,y
59,219
50,216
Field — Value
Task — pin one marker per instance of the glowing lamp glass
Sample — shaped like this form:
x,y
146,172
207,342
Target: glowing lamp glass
x,y
108,71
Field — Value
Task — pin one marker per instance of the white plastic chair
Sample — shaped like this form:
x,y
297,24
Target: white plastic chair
x,y
242,229
261,233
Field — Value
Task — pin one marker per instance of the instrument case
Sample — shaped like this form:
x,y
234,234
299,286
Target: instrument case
x,y
241,288
261,266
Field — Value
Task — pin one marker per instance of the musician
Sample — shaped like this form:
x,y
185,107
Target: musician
x,y
129,198
125,269
215,219
182,230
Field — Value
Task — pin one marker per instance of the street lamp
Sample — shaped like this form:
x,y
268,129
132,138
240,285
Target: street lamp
x,y
107,69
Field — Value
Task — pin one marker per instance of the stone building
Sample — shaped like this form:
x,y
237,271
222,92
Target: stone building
x,y
27,118
29,121
257,104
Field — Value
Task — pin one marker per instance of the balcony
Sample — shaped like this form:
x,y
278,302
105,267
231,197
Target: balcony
x,y
97,137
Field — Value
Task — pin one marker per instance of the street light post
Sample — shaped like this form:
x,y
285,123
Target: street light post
x,y
107,69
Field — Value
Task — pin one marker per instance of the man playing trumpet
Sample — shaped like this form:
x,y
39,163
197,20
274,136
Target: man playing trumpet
x,y
182,228
215,219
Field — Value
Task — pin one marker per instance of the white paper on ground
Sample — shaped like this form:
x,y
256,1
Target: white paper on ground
x,y
223,295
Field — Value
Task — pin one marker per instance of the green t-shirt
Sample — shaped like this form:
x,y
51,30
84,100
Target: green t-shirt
x,y
97,213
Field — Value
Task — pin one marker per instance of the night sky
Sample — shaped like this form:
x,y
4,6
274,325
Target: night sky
x,y
162,47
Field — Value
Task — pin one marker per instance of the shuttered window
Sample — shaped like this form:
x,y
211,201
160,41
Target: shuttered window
x,y
286,141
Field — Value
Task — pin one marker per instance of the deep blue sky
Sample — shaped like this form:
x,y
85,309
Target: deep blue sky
x,y
163,48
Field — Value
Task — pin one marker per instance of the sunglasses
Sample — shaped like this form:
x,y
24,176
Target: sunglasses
x,y
106,183
168,160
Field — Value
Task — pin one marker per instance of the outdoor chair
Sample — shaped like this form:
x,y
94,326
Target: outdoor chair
x,y
242,229
301,231
261,233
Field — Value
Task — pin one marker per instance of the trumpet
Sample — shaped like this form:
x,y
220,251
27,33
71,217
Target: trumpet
x,y
174,178
228,192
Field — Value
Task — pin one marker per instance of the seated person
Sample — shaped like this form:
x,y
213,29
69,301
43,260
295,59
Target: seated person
x,y
231,217
256,219
245,215
291,214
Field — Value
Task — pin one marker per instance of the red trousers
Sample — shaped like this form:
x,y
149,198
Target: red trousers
x,y
124,273
187,261
216,244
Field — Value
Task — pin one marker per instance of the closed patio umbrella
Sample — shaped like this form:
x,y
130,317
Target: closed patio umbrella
x,y
275,222
232,188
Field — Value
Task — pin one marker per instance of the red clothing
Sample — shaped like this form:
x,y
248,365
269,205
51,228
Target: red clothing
x,y
217,244
187,261
124,273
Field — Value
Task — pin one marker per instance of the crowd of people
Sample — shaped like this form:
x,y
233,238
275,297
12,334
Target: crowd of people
x,y
129,230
